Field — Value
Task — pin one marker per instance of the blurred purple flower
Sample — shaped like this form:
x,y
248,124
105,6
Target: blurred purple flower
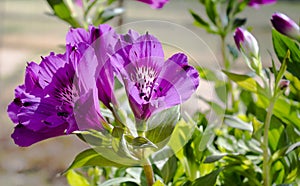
x,y
246,43
286,26
80,3
103,40
155,3
46,105
152,84
258,3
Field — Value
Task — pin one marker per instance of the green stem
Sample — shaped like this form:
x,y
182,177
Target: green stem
x,y
148,173
265,146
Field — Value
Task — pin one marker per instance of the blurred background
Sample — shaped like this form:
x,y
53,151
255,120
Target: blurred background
x,y
28,32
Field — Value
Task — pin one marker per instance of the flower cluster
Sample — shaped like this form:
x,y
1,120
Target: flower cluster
x,y
62,93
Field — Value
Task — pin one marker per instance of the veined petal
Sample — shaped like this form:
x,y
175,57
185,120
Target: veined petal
x,y
146,47
77,35
175,84
48,67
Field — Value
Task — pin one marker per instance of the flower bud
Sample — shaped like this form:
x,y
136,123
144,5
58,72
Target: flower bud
x,y
286,26
248,46
246,43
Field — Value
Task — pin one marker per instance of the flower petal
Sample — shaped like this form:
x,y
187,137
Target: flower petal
x,y
25,137
77,35
176,83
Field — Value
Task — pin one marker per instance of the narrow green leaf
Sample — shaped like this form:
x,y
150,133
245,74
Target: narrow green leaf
x,y
90,157
169,169
246,82
76,179
235,122
211,10
62,11
214,158
201,22
207,180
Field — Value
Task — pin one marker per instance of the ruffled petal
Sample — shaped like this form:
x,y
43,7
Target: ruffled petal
x,y
77,35
176,83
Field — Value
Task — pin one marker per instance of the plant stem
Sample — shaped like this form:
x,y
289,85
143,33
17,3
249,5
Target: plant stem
x,y
265,145
148,173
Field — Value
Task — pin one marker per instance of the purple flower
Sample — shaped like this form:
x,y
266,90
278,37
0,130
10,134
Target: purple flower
x,y
80,3
257,3
286,26
155,3
152,84
56,97
103,40
246,43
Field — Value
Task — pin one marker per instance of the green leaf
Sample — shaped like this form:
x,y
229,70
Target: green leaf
x,y
276,135
141,142
118,181
161,126
284,151
207,180
169,169
90,157
281,45
211,10
238,22
181,135
288,111
158,183
201,22
214,158
62,11
76,179
93,137
246,82
235,122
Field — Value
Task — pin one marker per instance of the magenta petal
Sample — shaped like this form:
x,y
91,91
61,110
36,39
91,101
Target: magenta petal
x,y
155,3
48,68
77,35
87,112
176,83
25,137
258,3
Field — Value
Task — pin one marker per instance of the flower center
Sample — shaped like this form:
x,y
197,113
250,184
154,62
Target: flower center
x,y
144,78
